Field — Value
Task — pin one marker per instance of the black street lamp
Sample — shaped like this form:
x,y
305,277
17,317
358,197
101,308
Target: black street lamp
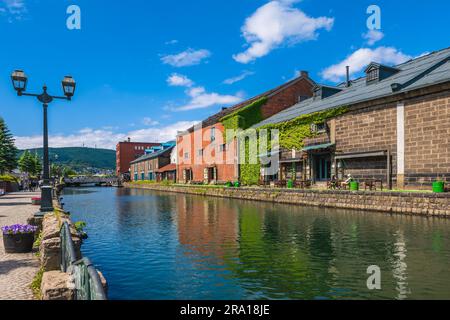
x,y
19,80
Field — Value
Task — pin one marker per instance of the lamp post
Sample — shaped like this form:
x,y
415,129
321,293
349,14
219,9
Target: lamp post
x,y
19,80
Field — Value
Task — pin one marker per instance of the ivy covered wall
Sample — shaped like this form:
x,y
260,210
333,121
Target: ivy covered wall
x,y
295,131
291,134
245,117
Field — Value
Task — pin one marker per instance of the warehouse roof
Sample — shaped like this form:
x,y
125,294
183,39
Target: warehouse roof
x,y
153,155
431,69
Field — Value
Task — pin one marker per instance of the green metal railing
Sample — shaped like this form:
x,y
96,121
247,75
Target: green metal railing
x,y
88,284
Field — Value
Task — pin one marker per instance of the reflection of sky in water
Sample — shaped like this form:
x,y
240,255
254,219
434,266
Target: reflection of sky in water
x,y
173,246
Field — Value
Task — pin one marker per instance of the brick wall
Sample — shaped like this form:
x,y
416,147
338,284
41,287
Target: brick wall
x,y
129,151
319,139
212,154
149,166
364,130
226,169
286,98
427,139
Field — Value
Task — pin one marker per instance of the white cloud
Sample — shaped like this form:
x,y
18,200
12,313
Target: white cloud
x,y
179,80
188,57
15,9
359,59
200,99
106,139
238,78
149,121
373,36
276,23
171,42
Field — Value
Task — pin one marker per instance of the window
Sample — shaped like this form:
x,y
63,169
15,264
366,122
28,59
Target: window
x,y
213,134
318,93
186,155
223,147
200,152
302,98
372,75
319,127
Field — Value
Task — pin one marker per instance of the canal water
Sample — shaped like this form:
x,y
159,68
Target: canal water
x,y
153,245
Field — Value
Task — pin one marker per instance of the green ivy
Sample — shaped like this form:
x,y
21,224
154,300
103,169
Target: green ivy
x,y
295,131
249,173
244,118
292,134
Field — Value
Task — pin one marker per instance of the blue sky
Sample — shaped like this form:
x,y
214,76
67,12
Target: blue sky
x,y
146,69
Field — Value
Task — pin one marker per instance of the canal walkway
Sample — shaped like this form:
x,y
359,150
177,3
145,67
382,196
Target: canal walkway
x,y
16,270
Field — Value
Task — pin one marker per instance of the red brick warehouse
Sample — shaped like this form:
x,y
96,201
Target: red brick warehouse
x,y
127,151
211,160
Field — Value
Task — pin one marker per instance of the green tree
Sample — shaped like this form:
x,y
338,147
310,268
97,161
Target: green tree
x,y
8,151
36,164
26,163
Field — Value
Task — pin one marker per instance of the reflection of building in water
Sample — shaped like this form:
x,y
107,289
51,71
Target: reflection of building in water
x,y
399,266
207,226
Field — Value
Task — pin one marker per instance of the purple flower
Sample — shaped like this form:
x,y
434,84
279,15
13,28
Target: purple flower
x,y
18,229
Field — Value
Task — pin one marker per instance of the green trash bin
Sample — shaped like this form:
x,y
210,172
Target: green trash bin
x,y
438,186
354,186
290,184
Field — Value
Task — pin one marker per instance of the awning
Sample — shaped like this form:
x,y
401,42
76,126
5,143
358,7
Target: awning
x,y
318,147
356,155
168,168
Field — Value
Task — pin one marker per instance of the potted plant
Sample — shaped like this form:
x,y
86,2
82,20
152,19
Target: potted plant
x,y
18,238
36,201
290,184
438,186
354,185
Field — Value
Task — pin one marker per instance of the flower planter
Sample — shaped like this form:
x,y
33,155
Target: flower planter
x,y
18,238
354,186
18,243
36,201
438,186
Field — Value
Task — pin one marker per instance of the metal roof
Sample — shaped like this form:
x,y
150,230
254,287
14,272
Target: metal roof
x,y
152,155
424,71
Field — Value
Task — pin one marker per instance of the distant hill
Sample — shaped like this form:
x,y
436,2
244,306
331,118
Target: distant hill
x,y
81,158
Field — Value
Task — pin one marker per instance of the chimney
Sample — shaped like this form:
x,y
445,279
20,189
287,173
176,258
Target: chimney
x,y
304,74
129,139
348,83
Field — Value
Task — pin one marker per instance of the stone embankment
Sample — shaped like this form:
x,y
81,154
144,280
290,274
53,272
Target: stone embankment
x,y
57,285
409,203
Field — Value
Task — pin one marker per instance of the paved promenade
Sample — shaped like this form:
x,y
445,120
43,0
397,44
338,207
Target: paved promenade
x,y
16,270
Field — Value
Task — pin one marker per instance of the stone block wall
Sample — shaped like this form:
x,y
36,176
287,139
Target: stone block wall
x,y
367,130
427,139
50,249
410,203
